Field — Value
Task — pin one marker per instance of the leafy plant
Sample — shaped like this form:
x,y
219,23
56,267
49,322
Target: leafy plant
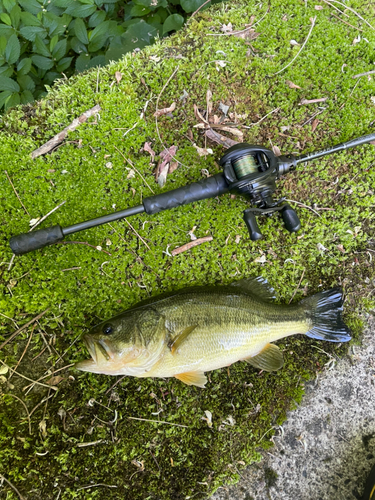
x,y
44,40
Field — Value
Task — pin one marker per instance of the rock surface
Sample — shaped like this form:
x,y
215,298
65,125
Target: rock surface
x,y
326,448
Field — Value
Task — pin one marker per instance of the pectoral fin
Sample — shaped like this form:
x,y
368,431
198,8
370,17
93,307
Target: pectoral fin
x,y
193,378
177,341
269,359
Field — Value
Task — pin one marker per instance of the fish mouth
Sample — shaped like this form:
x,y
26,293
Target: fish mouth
x,y
100,353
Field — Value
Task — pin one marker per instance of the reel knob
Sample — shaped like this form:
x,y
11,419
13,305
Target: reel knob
x,y
290,218
252,225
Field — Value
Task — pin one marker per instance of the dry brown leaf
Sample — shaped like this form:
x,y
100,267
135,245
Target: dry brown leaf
x,y
55,380
318,7
292,85
147,147
203,151
276,150
163,166
315,124
198,115
220,139
233,131
247,34
164,111
172,166
118,77
209,102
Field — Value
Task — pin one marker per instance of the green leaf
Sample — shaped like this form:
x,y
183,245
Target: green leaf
x,y
24,66
9,4
4,96
13,100
152,4
192,5
60,49
81,31
42,62
103,28
63,64
97,61
13,49
41,48
6,71
29,20
6,19
8,84
31,6
15,15
77,46
88,2
30,32
26,97
53,42
82,62
3,45
97,18
26,83
80,10
6,30
173,22
139,11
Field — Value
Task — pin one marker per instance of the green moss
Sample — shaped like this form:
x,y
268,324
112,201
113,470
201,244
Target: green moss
x,y
81,284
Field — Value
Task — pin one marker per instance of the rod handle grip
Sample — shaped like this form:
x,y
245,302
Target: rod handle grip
x,y
26,242
207,188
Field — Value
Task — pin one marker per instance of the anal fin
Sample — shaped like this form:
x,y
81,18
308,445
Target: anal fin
x,y
177,341
193,378
269,359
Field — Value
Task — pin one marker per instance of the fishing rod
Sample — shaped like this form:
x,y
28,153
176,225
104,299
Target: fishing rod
x,y
248,169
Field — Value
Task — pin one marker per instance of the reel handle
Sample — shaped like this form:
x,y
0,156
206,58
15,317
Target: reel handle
x,y
252,225
290,218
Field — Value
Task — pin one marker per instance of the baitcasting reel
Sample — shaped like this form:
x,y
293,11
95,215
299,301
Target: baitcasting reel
x,y
248,170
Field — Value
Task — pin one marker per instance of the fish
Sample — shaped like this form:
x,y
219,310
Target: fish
x,y
191,331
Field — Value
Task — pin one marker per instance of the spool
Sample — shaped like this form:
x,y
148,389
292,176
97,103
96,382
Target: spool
x,y
245,165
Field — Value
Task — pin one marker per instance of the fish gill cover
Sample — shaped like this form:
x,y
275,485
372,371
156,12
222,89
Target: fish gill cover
x,y
286,77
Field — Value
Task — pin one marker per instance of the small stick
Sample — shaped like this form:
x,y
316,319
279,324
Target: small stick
x,y
114,385
259,121
364,74
84,243
312,101
354,12
23,327
11,262
24,352
27,411
139,236
99,484
304,206
131,164
49,375
14,189
338,10
57,139
157,421
191,244
199,8
12,486
300,50
29,379
45,216
339,18
295,291
40,403
92,443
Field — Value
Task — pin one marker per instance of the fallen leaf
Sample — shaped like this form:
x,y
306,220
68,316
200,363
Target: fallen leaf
x,y
208,418
198,115
118,77
172,166
276,150
341,248
357,40
293,42
223,108
164,111
3,370
54,380
220,139
203,151
226,27
109,164
208,101
43,428
163,165
247,34
314,124
131,174
162,177
292,85
233,131
238,237
321,247
34,221
262,259
147,147
220,64
318,7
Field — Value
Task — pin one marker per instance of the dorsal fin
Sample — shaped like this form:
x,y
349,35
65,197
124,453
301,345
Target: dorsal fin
x,y
256,286
269,359
193,378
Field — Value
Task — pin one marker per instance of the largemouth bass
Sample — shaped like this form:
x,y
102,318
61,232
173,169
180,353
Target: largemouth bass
x,y
186,333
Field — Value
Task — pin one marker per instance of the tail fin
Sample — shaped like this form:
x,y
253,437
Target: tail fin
x,y
324,309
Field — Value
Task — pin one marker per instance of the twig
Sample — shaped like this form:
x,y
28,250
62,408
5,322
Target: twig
x,y
339,18
295,291
23,327
45,216
139,236
199,8
11,262
298,53
84,243
29,379
364,74
312,101
14,189
338,10
241,31
117,382
259,121
49,375
191,244
354,12
92,443
12,486
11,319
24,352
131,164
27,411
40,403
304,206
99,484
157,421
57,139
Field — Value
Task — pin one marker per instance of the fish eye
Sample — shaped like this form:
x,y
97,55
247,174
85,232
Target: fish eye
x,y
107,329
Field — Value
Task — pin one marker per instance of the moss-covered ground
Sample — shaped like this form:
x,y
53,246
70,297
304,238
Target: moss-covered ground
x,y
87,440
